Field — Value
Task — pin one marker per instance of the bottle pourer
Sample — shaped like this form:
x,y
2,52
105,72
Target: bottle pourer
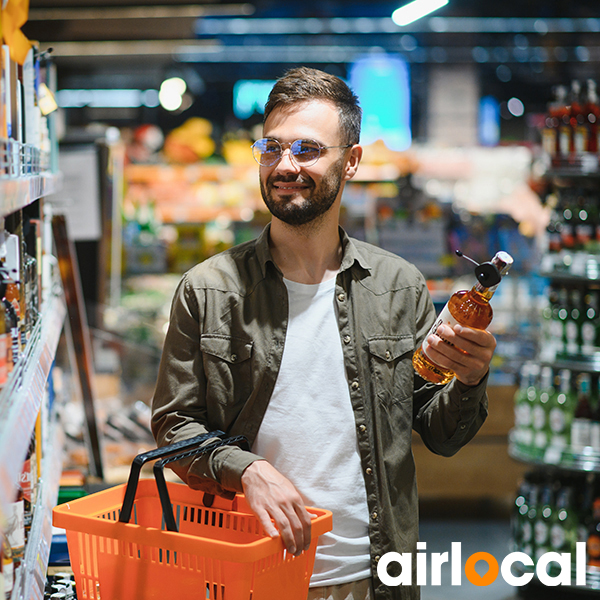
x,y
490,273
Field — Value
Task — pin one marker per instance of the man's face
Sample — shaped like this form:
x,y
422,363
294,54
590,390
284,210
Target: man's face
x,y
297,194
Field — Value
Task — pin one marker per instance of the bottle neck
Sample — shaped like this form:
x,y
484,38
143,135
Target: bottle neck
x,y
483,293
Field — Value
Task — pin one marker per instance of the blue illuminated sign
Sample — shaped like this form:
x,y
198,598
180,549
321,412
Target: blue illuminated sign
x,y
250,96
489,121
382,85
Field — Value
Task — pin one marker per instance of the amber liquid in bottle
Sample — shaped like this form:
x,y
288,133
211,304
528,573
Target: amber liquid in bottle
x,y
470,308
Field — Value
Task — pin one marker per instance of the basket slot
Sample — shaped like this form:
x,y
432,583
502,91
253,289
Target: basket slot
x,y
216,591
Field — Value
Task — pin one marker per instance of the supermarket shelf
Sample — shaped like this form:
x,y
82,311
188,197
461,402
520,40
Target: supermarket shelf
x,y
582,364
571,267
31,576
588,460
581,165
21,397
16,193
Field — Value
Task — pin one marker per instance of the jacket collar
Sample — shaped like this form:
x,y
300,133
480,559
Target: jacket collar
x,y
351,253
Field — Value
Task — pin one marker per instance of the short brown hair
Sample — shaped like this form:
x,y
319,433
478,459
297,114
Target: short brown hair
x,y
302,84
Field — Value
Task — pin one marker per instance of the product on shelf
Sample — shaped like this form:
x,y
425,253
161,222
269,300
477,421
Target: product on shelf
x,y
581,426
571,124
28,343
548,515
559,410
556,109
8,570
29,477
571,327
557,405
466,307
15,528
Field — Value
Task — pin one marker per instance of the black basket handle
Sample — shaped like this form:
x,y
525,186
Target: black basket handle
x,y
161,484
164,452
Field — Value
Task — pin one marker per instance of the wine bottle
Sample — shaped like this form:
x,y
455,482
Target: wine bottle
x,y
470,308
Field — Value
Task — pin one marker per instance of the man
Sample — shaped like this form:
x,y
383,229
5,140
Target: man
x,y
302,341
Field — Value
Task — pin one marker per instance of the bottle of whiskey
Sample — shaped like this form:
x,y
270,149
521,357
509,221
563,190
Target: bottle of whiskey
x,y
591,111
470,308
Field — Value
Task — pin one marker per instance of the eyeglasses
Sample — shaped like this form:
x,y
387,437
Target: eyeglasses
x,y
268,152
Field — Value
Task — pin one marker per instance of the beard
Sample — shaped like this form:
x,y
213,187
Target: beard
x,y
301,211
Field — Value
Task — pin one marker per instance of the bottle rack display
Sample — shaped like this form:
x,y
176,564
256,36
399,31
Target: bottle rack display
x,y
32,316
570,137
552,512
557,405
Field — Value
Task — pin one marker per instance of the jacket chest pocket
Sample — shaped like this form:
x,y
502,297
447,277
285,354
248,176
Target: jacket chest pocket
x,y
391,366
227,366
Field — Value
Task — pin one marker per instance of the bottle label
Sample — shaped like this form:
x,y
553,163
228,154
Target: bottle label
x,y
444,318
540,532
540,439
581,431
571,332
558,537
564,140
549,141
558,420
556,332
588,336
527,532
595,435
538,417
580,140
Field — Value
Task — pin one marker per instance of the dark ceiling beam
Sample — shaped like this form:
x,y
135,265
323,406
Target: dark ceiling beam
x,y
207,51
139,12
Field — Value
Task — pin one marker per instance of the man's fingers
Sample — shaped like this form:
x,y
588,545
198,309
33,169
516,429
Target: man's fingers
x,y
278,505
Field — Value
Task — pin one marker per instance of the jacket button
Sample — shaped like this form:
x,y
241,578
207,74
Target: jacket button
x,y
341,297
233,357
362,428
355,385
374,516
346,339
388,354
368,470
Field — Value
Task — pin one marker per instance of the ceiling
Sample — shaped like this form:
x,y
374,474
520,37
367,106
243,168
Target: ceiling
x,y
106,44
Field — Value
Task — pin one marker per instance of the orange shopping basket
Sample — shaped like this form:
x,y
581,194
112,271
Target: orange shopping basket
x,y
179,545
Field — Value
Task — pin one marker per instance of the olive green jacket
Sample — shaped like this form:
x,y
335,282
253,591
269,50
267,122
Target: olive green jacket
x,y
223,351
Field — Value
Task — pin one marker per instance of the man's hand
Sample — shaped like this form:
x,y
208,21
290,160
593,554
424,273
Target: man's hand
x,y
273,496
470,354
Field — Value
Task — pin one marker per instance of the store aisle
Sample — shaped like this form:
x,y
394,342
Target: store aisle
x,y
475,535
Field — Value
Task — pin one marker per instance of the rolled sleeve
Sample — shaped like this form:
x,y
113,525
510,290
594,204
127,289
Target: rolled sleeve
x,y
452,415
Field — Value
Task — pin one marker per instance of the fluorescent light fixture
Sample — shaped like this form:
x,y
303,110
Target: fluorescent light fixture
x,y
114,98
415,10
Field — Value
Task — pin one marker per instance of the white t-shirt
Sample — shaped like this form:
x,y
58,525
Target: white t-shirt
x,y
309,435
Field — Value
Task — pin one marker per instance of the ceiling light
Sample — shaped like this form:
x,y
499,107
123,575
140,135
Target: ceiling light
x,y
171,93
516,107
415,10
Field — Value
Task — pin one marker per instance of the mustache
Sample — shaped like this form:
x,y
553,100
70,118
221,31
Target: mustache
x,y
291,179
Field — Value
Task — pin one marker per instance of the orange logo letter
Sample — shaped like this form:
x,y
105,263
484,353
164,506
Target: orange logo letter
x,y
472,574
